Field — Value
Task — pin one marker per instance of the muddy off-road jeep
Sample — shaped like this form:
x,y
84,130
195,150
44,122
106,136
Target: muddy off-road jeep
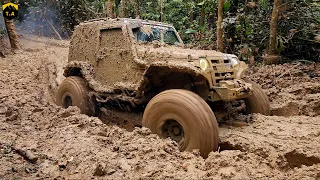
x,y
142,66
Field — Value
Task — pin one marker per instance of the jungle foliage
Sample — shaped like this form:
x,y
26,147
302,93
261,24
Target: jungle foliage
x,y
245,24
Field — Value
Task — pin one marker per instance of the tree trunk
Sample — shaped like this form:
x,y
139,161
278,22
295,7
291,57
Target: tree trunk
x,y
202,17
161,10
124,10
273,29
272,56
114,9
11,30
1,46
108,7
219,26
191,16
136,9
191,13
210,21
110,4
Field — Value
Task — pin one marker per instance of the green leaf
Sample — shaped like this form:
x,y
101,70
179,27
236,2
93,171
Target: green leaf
x,y
203,29
190,31
226,6
264,4
201,3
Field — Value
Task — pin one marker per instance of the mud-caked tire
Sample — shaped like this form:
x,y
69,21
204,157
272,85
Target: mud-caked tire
x,y
184,117
258,102
73,91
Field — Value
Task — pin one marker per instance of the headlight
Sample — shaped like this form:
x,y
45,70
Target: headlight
x,y
241,70
204,64
234,61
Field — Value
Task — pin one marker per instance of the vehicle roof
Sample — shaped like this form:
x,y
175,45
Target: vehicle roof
x,y
126,20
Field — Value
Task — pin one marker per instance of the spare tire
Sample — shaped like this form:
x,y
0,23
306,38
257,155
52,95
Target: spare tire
x,y
73,91
258,102
184,117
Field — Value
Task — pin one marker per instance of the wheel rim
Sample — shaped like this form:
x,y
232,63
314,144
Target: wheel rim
x,y
67,101
172,129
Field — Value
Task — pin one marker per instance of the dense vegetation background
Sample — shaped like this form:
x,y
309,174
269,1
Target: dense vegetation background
x,y
245,23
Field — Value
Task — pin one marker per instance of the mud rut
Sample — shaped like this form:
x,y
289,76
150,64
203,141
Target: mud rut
x,y
39,139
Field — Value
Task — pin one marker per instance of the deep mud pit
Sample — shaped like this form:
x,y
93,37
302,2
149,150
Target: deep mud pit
x,y
39,139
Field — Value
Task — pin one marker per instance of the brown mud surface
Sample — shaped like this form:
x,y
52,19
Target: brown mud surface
x,y
294,89
41,140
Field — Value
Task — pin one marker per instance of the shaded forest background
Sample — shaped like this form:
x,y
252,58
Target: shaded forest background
x,y
245,23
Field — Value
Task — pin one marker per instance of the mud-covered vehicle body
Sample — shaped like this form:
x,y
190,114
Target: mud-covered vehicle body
x,y
142,66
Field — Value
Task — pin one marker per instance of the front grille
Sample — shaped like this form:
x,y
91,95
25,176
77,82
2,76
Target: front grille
x,y
214,67
216,61
213,61
224,76
228,73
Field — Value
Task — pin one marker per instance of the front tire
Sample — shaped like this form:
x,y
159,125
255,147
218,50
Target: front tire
x,y
184,117
73,91
258,102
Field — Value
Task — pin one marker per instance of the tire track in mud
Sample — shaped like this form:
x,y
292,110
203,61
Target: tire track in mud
x,y
286,143
71,145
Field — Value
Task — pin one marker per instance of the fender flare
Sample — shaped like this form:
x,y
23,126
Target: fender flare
x,y
167,67
85,70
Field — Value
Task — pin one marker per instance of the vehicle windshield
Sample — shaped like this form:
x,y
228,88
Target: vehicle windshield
x,y
153,33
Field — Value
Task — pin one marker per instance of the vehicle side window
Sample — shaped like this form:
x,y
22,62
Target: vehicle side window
x,y
155,35
113,39
148,33
141,36
170,37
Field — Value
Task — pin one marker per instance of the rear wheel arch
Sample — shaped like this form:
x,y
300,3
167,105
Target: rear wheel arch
x,y
82,69
73,71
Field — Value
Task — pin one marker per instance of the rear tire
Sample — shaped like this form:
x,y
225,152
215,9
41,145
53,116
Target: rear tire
x,y
258,102
73,91
184,117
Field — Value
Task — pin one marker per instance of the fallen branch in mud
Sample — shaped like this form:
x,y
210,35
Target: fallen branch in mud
x,y
26,154
305,61
288,71
54,29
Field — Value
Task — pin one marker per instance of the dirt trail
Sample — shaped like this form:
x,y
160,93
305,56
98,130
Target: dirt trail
x,y
39,139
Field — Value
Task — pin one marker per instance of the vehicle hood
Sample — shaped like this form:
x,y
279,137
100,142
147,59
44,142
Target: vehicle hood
x,y
156,52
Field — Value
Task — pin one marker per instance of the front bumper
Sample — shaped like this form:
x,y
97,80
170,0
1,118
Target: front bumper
x,y
231,90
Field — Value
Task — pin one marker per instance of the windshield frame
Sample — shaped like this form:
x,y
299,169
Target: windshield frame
x,y
163,25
